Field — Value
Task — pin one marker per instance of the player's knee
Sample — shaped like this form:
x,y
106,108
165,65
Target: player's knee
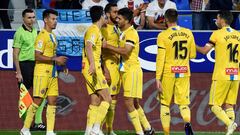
x,y
52,100
215,108
129,104
185,113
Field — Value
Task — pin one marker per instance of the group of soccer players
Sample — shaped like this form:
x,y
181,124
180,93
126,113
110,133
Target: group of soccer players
x,y
176,46
110,60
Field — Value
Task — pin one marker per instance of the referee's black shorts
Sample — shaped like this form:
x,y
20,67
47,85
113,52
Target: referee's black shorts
x,y
27,70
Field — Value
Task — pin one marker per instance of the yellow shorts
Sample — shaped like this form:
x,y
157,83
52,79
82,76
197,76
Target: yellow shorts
x,y
44,86
132,81
114,72
223,91
95,82
179,87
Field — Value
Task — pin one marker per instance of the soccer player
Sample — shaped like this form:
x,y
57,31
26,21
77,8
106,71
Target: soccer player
x,y
131,72
96,83
45,82
111,33
24,58
176,46
225,79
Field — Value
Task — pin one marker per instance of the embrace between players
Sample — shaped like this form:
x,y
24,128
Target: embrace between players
x,y
110,58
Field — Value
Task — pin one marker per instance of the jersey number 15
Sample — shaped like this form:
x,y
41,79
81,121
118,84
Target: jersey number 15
x,y
180,46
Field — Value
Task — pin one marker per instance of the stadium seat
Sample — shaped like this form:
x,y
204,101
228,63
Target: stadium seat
x,y
182,4
46,4
185,21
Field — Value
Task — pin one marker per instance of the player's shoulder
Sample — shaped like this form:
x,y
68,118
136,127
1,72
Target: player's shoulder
x,y
132,32
186,30
93,29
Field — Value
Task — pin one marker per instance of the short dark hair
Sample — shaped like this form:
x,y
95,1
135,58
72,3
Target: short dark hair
x,y
28,10
172,15
126,13
47,12
96,12
108,7
226,15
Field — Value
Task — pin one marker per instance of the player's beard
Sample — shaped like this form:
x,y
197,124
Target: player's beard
x,y
113,20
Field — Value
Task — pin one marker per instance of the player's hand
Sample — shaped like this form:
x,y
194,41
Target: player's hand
x,y
159,85
107,75
65,70
92,69
19,77
60,60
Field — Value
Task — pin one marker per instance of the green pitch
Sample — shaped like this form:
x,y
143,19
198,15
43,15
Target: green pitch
x,y
118,132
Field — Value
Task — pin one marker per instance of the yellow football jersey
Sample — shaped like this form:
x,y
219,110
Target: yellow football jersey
x,y
226,42
46,43
129,37
176,46
111,35
94,36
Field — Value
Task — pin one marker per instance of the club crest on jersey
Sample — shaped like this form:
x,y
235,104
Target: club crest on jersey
x,y
43,91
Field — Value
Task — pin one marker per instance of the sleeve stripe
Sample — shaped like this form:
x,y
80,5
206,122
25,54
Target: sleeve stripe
x,y
130,41
159,47
91,42
212,43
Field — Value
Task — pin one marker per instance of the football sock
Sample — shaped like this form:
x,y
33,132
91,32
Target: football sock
x,y
230,113
30,114
135,121
110,115
165,119
220,114
102,111
50,114
185,113
143,119
92,112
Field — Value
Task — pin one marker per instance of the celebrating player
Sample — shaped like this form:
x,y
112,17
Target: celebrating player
x,y
176,46
225,79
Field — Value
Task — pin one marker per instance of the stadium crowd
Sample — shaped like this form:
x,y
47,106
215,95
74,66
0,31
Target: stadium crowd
x,y
148,14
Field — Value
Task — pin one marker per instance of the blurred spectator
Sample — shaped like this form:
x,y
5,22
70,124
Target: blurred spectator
x,y
139,9
113,1
198,17
68,4
182,4
30,4
87,4
155,13
4,14
218,5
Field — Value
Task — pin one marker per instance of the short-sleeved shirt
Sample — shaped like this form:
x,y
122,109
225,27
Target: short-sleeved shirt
x,y
46,43
226,42
136,3
24,40
179,46
87,4
111,35
94,36
153,9
129,37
